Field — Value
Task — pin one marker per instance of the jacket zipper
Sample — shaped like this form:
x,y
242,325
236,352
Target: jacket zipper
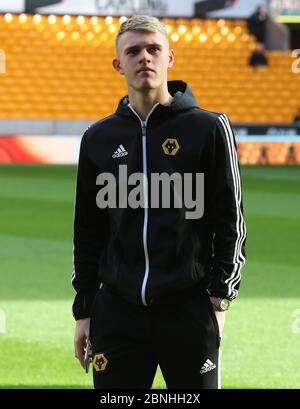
x,y
145,188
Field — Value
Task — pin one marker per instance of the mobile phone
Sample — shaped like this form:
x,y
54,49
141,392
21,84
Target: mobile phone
x,y
88,356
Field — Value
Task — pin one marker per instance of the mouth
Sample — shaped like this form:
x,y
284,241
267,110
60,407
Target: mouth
x,y
145,70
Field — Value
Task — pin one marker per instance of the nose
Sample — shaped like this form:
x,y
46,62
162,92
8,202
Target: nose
x,y
144,57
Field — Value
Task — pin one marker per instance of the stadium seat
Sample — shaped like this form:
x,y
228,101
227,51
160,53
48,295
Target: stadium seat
x,y
59,67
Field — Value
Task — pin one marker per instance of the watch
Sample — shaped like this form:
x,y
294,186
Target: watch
x,y
220,304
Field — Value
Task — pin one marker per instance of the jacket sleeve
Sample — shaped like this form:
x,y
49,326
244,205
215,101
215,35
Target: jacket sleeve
x,y
90,236
229,230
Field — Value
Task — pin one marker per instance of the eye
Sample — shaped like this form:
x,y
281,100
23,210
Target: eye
x,y
154,49
133,51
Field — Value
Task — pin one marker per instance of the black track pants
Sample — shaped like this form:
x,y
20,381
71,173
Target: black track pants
x,y
129,341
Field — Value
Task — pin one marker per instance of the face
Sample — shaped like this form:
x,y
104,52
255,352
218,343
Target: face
x,y
144,59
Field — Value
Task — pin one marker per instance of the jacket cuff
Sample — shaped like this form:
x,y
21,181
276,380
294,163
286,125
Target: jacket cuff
x,y
218,284
218,292
82,305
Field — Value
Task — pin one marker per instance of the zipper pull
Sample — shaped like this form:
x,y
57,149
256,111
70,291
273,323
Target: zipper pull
x,y
144,129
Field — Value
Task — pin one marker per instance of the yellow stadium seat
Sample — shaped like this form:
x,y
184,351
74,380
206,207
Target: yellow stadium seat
x,y
59,69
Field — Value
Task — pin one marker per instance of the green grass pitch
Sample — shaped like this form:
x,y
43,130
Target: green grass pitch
x,y
260,348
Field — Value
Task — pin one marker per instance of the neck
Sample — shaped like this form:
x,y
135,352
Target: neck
x,y
144,101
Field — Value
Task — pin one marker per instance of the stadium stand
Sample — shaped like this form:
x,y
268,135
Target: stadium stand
x,y
58,67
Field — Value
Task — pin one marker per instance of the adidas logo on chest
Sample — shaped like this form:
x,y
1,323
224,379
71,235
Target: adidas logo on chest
x,y
120,152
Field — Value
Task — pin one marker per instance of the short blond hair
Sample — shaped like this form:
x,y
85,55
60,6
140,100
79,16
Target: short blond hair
x,y
142,23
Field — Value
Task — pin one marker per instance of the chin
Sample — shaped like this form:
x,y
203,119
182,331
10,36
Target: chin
x,y
144,86
147,85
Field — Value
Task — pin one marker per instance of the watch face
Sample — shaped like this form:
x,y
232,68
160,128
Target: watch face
x,y
224,304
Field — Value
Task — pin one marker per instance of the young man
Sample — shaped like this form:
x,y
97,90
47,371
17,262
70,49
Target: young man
x,y
152,283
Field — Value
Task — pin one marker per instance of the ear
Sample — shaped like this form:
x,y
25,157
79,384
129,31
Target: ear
x,y
117,66
171,58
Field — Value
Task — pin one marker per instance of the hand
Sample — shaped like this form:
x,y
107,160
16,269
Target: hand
x,y
220,315
81,338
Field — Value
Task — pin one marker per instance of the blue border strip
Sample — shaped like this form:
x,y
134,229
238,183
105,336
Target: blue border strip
x,y
266,138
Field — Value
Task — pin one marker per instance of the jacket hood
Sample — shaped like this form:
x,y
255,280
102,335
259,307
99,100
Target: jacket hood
x,y
183,99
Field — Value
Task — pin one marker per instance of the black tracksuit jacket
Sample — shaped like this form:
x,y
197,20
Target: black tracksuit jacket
x,y
146,254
